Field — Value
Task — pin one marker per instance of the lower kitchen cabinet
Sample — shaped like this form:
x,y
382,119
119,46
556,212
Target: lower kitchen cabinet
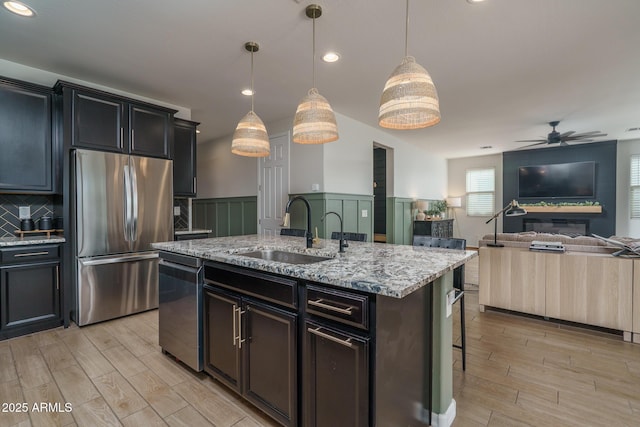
x,y
251,346
29,290
336,377
314,355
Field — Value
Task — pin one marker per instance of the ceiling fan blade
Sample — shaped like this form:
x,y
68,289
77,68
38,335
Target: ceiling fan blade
x,y
532,140
587,133
582,136
532,145
564,135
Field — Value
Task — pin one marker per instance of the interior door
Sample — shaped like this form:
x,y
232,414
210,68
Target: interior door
x,y
153,201
274,186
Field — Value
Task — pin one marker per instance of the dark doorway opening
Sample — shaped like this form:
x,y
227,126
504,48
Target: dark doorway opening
x,y
379,194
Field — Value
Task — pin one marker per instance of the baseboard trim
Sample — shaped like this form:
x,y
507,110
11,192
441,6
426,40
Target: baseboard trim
x,y
446,419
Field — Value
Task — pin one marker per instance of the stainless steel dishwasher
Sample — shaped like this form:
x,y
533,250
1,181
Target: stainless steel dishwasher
x,y
180,308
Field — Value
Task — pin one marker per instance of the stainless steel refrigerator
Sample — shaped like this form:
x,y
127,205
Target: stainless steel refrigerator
x,y
123,204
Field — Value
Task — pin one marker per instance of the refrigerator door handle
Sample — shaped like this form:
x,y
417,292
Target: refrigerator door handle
x,y
127,203
134,210
119,259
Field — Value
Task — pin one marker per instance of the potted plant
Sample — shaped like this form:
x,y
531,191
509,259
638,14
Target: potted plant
x,y
437,208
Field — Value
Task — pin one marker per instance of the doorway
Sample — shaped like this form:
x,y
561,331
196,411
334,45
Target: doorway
x,y
379,194
273,186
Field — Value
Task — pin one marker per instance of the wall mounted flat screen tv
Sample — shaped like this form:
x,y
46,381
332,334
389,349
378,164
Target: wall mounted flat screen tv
x,y
561,180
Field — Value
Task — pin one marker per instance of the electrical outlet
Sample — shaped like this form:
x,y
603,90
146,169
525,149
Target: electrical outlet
x,y
24,212
365,213
176,211
451,297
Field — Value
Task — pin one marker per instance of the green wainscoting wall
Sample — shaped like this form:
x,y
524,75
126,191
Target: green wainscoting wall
x,y
229,216
400,220
349,206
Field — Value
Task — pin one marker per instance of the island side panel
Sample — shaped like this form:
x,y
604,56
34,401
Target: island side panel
x,y
400,358
442,394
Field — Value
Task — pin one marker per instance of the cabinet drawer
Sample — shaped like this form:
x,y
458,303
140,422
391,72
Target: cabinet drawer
x,y
344,307
264,286
24,254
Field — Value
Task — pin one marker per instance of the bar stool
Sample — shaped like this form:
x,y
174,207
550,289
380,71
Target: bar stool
x,y
348,235
458,280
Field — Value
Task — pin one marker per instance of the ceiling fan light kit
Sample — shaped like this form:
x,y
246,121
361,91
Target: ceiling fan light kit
x,y
250,138
409,99
315,121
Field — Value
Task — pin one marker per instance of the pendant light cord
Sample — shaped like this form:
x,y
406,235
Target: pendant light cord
x,y
406,33
314,51
252,92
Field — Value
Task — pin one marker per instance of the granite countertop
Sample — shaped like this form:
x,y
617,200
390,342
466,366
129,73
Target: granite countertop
x,y
31,240
180,232
379,268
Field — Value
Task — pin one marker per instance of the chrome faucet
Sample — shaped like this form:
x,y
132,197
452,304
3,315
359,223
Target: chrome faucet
x,y
343,242
308,234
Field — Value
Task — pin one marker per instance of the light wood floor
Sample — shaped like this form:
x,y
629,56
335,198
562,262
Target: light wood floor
x,y
520,371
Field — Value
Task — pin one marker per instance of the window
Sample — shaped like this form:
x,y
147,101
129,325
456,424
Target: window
x,y
481,187
634,199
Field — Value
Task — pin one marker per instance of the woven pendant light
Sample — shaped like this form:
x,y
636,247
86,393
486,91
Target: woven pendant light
x,y
250,138
314,122
409,99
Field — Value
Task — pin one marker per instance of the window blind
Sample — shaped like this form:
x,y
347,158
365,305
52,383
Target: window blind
x,y
481,192
634,199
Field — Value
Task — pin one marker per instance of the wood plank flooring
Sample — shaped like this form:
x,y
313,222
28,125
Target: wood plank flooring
x,y
520,372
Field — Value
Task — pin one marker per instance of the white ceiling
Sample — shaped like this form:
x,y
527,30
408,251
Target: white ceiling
x,y
502,68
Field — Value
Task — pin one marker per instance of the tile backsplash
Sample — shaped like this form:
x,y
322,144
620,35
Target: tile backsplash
x,y
9,215
181,222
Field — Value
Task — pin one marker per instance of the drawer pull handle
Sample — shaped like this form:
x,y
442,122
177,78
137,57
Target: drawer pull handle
x,y
31,254
318,332
321,304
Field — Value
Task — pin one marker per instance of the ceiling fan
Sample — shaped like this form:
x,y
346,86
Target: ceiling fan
x,y
555,137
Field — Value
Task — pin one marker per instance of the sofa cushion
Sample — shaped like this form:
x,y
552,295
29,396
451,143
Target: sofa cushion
x,y
524,239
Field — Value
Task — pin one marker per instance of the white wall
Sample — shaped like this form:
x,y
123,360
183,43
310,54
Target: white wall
x,y
625,226
45,78
224,174
473,228
348,163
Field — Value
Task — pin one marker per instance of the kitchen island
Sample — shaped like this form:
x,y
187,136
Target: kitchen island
x,y
358,338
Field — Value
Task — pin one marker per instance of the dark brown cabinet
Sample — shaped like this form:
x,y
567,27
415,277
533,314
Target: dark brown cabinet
x,y
184,158
336,377
250,344
102,121
314,355
28,160
435,227
336,357
29,289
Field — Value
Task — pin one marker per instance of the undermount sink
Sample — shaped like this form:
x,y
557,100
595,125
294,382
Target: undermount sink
x,y
286,257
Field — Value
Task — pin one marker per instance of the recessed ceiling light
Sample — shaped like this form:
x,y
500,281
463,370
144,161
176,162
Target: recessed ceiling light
x,y
19,8
330,57
247,92
474,1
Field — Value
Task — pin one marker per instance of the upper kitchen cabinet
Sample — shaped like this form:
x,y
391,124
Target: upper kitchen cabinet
x,y
184,158
102,121
28,160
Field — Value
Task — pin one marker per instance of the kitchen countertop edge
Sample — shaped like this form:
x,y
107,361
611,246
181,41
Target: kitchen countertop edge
x,y
378,268
6,242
